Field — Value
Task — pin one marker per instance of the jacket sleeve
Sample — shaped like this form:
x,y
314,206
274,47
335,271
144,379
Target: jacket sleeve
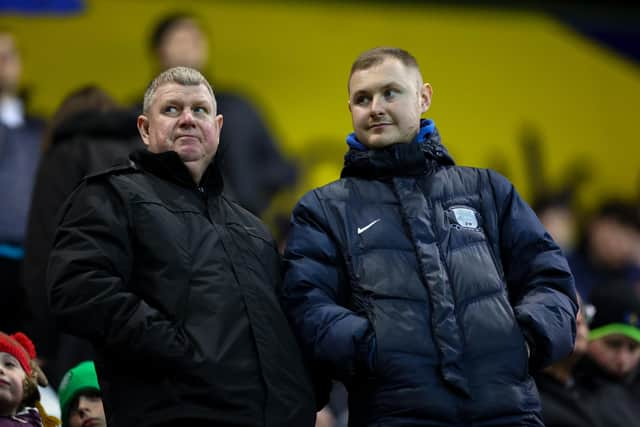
x,y
88,281
540,283
334,339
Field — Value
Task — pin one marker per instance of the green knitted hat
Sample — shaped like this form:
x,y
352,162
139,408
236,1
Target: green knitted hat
x,y
78,379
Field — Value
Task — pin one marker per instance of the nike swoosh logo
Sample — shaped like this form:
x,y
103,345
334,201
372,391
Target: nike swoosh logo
x,y
366,227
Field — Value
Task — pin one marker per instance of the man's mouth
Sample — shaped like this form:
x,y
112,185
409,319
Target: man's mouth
x,y
378,125
90,422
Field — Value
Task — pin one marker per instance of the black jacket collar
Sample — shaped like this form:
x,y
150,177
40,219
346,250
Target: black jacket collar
x,y
170,167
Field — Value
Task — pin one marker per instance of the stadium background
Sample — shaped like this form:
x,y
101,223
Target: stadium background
x,y
502,76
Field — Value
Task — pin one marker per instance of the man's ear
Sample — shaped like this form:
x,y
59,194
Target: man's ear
x,y
426,92
349,104
143,128
219,120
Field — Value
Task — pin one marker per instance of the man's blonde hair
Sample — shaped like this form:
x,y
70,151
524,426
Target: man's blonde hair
x,y
378,55
181,75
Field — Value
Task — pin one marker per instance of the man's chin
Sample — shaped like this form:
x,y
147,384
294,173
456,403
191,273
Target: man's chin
x,y
190,155
377,143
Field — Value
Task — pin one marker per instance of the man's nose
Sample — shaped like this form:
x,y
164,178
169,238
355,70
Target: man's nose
x,y
186,118
84,406
377,106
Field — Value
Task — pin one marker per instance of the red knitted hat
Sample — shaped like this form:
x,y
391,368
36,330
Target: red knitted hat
x,y
19,346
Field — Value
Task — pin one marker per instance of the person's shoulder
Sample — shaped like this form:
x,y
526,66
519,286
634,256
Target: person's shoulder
x,y
124,168
337,189
486,175
230,102
127,168
233,97
471,171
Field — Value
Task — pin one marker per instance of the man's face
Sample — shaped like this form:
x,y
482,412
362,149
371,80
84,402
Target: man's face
x,y
87,411
12,378
613,243
10,65
617,354
386,102
184,45
182,119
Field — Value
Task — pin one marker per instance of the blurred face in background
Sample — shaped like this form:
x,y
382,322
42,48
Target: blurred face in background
x,y
184,45
613,244
617,354
560,223
87,411
12,378
10,65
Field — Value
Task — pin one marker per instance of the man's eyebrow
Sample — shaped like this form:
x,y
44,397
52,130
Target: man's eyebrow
x,y
171,101
198,101
360,92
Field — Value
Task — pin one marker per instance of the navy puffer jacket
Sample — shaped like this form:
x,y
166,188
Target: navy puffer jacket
x,y
420,284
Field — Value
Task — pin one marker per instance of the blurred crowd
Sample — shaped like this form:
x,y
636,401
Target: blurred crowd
x,y
41,162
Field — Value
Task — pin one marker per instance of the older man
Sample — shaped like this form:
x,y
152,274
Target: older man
x,y
174,284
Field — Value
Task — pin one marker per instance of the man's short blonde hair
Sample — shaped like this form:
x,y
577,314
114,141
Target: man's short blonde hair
x,y
378,55
181,75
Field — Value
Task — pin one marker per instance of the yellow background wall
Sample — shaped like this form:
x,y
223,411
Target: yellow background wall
x,y
493,72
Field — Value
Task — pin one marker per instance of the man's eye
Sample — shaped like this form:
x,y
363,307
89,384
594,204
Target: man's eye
x,y
614,344
362,100
170,109
390,93
201,110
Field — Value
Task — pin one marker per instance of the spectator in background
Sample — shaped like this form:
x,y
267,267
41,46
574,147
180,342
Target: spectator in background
x,y
88,133
605,373
20,138
80,397
608,249
562,401
556,213
430,290
252,165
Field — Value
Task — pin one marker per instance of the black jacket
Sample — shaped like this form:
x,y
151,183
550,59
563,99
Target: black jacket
x,y
416,283
176,288
611,401
564,405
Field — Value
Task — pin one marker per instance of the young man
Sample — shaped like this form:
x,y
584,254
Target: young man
x,y
430,290
80,397
174,284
